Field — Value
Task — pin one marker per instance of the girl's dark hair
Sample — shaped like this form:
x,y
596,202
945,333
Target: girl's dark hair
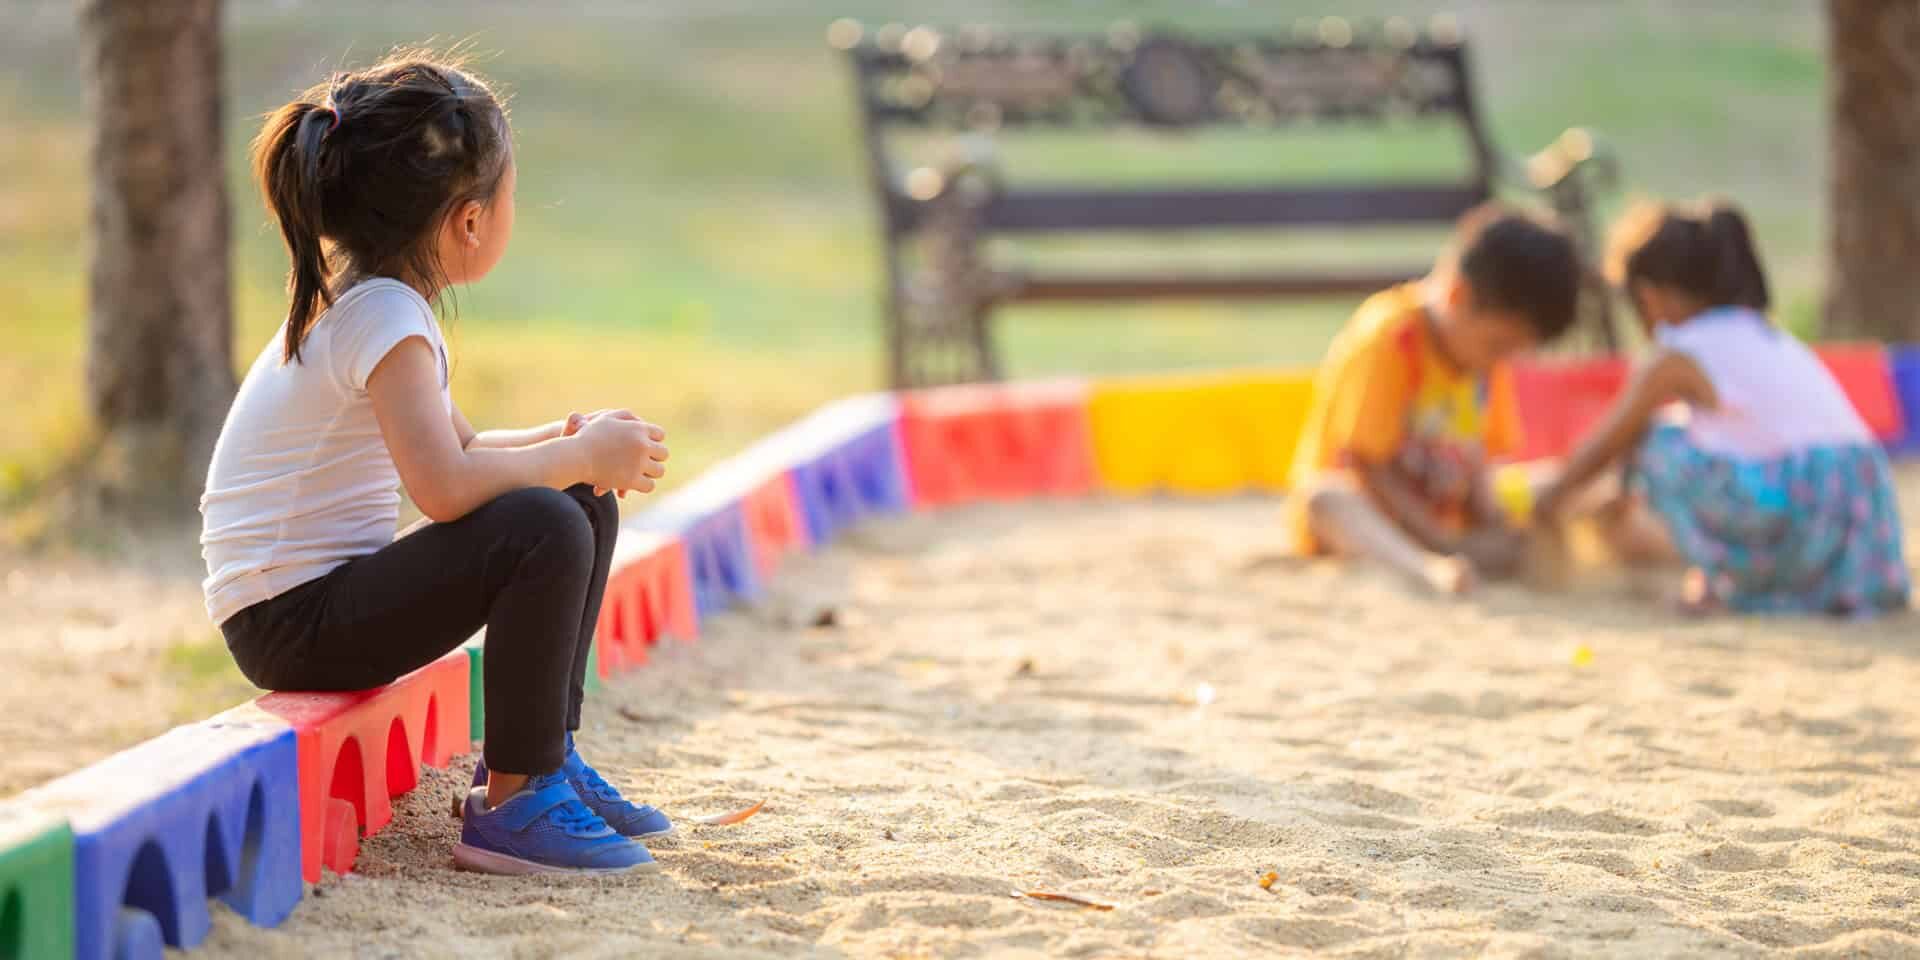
x,y
361,171
1704,250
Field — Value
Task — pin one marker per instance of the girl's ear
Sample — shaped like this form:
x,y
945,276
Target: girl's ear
x,y
1642,309
467,223
1656,304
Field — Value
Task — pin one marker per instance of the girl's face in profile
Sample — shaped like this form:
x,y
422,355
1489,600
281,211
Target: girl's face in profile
x,y
476,234
1659,306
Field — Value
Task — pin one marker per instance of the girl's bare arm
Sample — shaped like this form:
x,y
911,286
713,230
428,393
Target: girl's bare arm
x,y
447,478
471,439
1666,378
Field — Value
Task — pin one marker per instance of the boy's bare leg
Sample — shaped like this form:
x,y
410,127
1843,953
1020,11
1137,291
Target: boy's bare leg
x,y
1344,519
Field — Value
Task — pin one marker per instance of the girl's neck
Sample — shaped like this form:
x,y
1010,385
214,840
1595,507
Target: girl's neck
x,y
351,277
1714,312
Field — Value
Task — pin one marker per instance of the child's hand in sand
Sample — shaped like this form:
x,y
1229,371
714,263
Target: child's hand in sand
x,y
1449,575
1496,552
1549,562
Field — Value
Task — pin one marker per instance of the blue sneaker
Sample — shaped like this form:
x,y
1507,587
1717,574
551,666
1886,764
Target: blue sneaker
x,y
635,820
544,828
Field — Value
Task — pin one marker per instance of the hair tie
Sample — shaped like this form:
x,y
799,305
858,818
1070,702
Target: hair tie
x,y
333,111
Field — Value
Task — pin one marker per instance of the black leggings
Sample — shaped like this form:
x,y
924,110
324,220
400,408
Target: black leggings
x,y
530,566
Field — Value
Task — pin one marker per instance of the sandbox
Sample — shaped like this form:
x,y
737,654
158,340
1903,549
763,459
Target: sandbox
x,y
967,679
1139,703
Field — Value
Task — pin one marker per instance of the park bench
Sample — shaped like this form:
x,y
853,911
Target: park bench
x,y
969,86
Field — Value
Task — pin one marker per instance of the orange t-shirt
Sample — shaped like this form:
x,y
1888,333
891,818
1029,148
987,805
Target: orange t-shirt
x,y
1386,394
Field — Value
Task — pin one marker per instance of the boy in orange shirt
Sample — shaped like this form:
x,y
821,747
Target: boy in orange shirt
x,y
1414,400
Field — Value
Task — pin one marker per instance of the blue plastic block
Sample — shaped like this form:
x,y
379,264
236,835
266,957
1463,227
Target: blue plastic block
x,y
856,479
720,560
707,516
1905,365
846,463
206,810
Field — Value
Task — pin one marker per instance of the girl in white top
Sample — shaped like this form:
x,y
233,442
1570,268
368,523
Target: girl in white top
x,y
1763,476
389,185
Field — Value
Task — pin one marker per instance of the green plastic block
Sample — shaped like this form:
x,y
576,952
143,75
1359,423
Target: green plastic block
x,y
36,886
477,680
476,690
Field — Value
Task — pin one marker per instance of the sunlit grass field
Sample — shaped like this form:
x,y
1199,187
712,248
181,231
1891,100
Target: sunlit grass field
x,y
695,239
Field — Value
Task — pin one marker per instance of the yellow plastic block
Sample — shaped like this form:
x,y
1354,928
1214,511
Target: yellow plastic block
x,y
1213,434
1513,485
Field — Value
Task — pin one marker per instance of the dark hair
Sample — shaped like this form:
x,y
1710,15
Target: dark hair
x,y
1704,250
1518,262
361,171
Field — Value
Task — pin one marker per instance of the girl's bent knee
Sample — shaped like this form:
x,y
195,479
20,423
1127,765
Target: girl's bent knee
x,y
550,515
603,509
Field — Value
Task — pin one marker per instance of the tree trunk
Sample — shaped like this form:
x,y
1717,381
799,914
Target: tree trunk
x,y
1873,267
160,315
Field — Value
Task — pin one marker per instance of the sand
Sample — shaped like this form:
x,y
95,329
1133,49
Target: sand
x,y
91,652
1135,703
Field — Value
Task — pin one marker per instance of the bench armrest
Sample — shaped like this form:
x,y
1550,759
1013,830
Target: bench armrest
x,y
1577,155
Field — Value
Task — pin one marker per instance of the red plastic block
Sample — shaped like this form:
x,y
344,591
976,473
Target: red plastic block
x,y
1561,400
774,525
1867,378
649,595
997,442
360,750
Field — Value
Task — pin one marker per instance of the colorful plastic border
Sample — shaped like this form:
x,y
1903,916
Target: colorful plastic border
x,y
119,857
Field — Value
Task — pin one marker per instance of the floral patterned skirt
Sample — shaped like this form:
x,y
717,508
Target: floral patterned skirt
x,y
1813,532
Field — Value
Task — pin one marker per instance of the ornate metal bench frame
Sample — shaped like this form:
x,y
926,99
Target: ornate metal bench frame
x,y
976,82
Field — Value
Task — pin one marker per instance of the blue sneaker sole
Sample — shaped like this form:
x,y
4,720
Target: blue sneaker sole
x,y
500,864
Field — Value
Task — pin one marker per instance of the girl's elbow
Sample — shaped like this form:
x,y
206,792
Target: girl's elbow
x,y
439,512
437,503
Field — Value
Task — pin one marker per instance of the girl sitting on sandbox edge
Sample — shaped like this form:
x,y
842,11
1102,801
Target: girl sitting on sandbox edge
x,y
1414,400
390,185
1762,477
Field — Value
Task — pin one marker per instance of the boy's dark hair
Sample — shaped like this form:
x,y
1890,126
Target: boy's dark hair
x,y
1704,250
1518,262
361,171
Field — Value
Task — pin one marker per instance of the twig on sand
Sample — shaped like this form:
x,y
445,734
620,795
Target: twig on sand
x,y
629,713
1062,898
723,819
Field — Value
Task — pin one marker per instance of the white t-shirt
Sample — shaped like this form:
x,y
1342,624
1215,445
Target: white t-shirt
x,y
1775,396
301,480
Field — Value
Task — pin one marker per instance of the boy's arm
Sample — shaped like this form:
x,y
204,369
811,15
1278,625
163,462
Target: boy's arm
x,y
1483,505
1501,439
1395,497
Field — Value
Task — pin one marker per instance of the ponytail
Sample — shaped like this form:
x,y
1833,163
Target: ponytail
x,y
1737,275
1705,251
286,161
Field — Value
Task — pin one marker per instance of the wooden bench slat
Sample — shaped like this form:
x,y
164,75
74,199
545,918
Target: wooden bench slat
x,y
1061,209
1053,287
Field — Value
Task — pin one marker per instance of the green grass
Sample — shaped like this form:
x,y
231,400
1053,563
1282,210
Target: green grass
x,y
202,673
695,239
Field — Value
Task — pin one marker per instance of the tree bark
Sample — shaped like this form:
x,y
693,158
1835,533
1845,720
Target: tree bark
x,y
1873,266
160,314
